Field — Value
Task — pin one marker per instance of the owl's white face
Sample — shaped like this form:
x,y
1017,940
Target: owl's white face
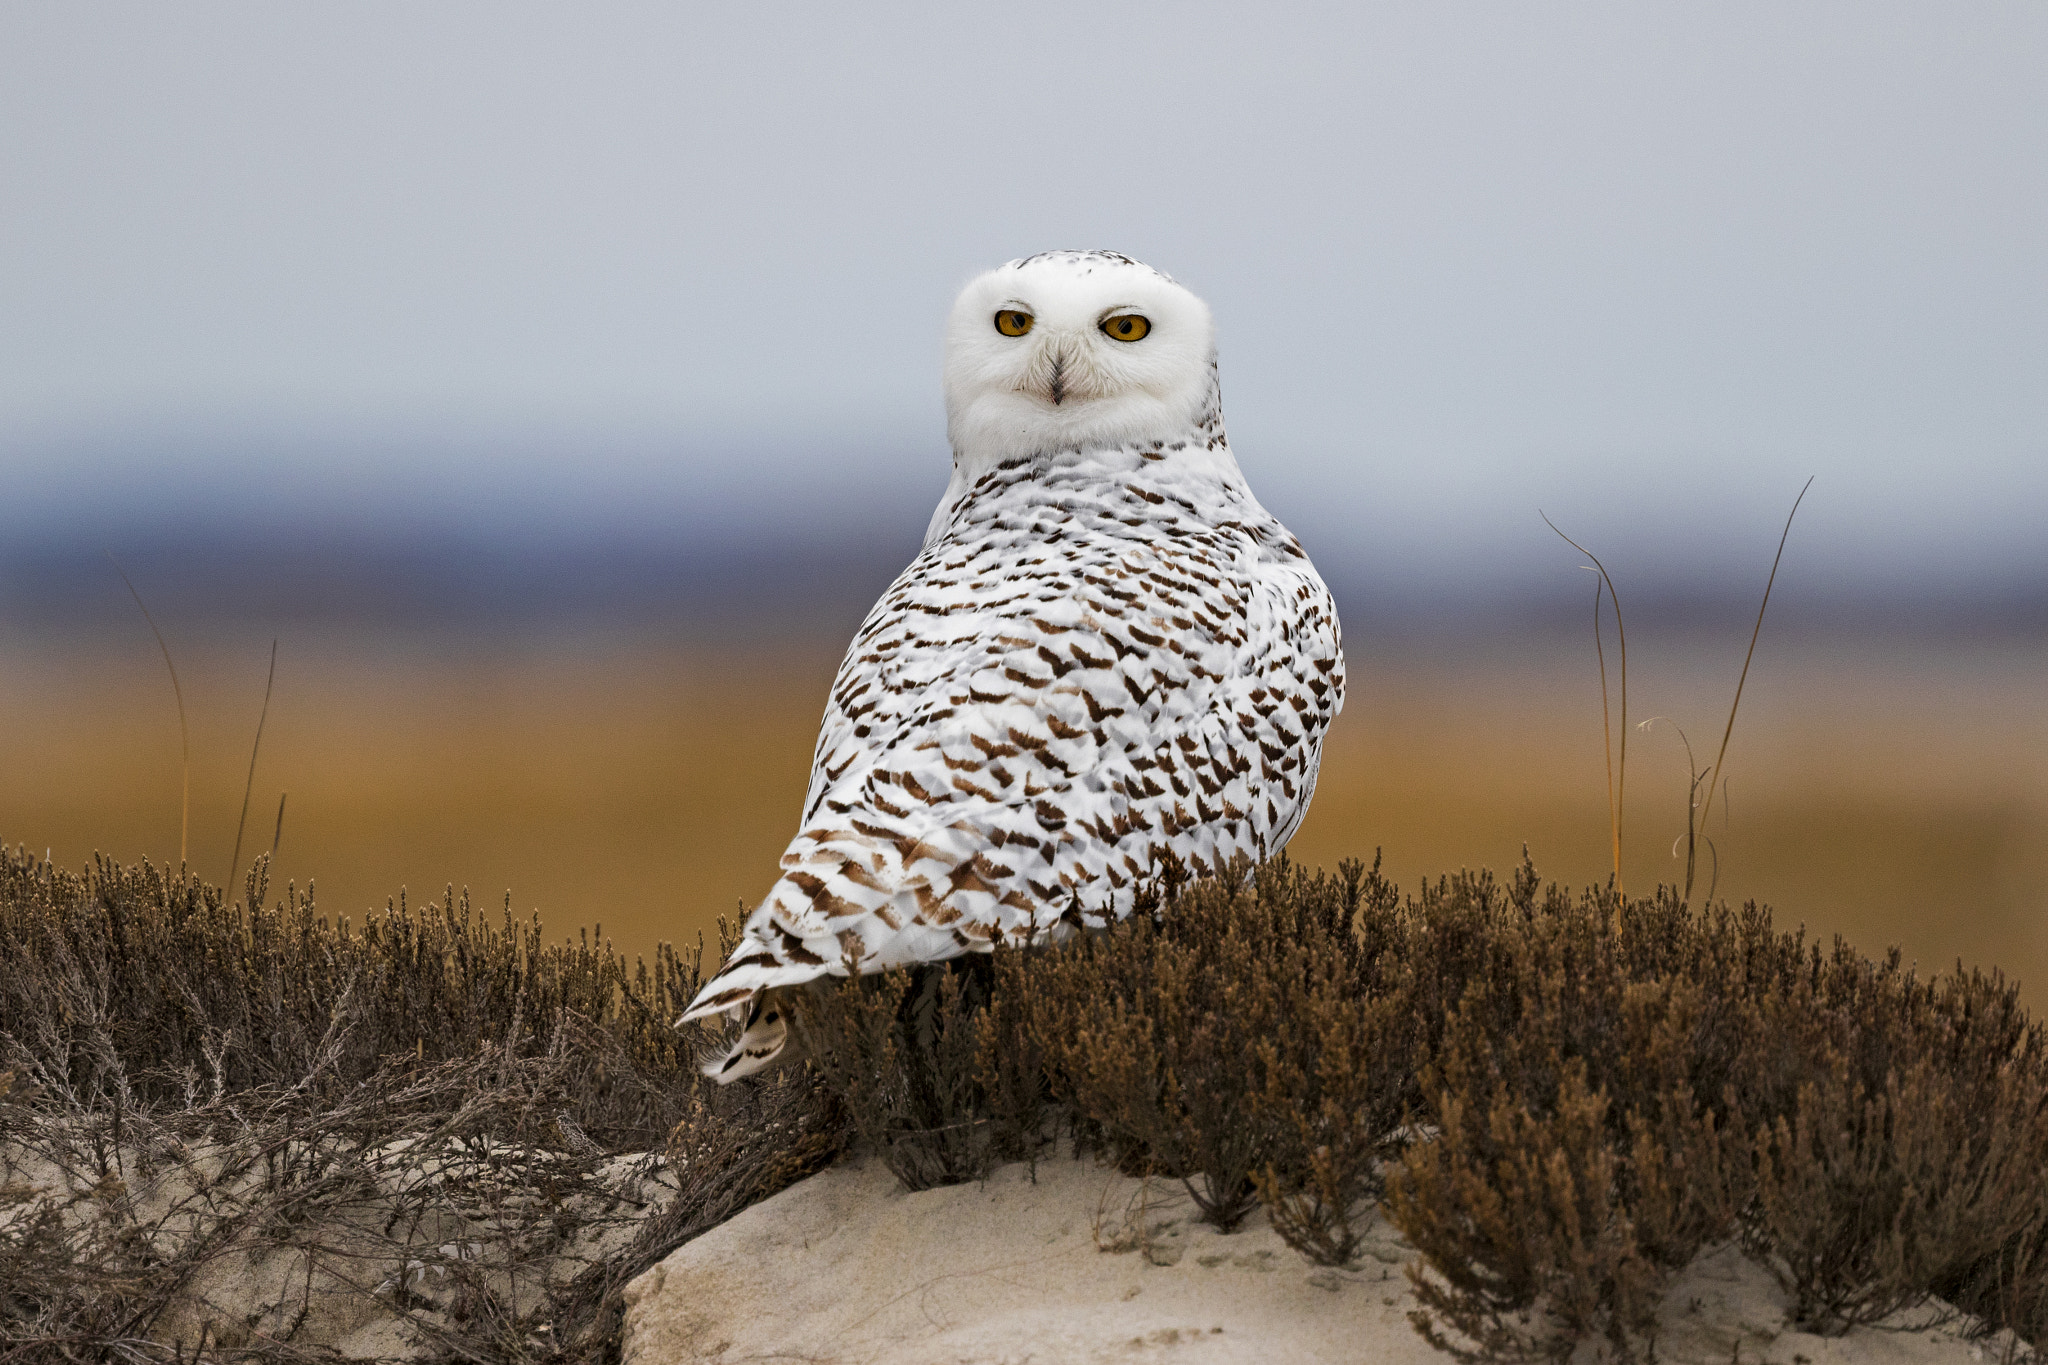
x,y
1074,349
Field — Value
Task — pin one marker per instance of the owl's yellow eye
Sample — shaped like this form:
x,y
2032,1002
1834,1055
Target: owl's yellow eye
x,y
1127,326
1014,322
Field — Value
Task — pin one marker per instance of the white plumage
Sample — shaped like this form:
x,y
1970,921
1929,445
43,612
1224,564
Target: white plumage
x,y
1106,650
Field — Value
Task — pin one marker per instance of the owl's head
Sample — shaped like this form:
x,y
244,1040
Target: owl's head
x,y
1077,348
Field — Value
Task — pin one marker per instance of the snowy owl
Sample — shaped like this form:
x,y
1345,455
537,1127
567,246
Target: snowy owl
x,y
1106,650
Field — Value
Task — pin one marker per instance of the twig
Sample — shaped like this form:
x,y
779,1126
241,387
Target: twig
x,y
1715,773
184,735
1606,729
234,862
1694,775
1617,781
277,836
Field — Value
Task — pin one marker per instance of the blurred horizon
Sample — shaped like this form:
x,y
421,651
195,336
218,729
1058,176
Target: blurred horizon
x,y
713,534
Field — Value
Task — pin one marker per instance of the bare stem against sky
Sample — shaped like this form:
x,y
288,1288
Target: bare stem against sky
x,y
1617,780
1713,775
184,735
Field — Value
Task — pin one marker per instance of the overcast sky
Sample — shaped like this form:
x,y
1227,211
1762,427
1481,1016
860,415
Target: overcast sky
x,y
619,267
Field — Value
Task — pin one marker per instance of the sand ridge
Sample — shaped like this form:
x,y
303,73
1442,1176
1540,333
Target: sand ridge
x,y
1075,1263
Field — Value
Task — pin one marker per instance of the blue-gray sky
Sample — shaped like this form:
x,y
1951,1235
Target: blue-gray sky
x,y
624,269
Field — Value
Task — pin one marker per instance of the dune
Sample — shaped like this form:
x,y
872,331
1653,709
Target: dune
x,y
1068,1261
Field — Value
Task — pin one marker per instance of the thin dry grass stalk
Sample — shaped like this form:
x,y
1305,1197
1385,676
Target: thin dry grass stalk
x,y
1617,775
1714,773
1697,807
184,734
249,784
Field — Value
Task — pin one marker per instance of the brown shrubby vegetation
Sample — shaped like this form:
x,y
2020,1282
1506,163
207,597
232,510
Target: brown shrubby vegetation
x,y
1913,1152
429,1120
1228,1037
915,1060
1558,1099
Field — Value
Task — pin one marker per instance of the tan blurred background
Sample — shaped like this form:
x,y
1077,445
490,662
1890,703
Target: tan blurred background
x,y
1889,791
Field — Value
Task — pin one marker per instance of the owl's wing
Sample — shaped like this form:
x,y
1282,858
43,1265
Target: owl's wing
x,y
1009,748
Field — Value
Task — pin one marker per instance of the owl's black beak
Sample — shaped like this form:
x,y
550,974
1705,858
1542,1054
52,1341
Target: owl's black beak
x,y
1058,387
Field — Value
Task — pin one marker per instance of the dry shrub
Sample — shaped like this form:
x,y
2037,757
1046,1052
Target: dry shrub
x,y
1346,1098
140,984
1010,1064
1225,1037
1348,1087
1517,1211
1573,1165
429,1122
2008,1288
1589,1088
1547,1210
907,1054
1624,1081
1912,1150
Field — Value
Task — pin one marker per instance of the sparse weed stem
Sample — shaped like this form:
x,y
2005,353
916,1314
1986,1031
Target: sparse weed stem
x,y
1714,774
1617,773
277,834
1700,786
1695,833
184,733
249,785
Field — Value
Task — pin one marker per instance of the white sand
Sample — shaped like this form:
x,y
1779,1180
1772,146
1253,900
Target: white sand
x,y
847,1267
1080,1264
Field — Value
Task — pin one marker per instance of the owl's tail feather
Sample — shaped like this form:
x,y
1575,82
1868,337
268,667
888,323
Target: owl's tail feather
x,y
759,1044
754,968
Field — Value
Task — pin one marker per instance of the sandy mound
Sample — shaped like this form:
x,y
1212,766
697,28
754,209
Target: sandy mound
x,y
1081,1264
